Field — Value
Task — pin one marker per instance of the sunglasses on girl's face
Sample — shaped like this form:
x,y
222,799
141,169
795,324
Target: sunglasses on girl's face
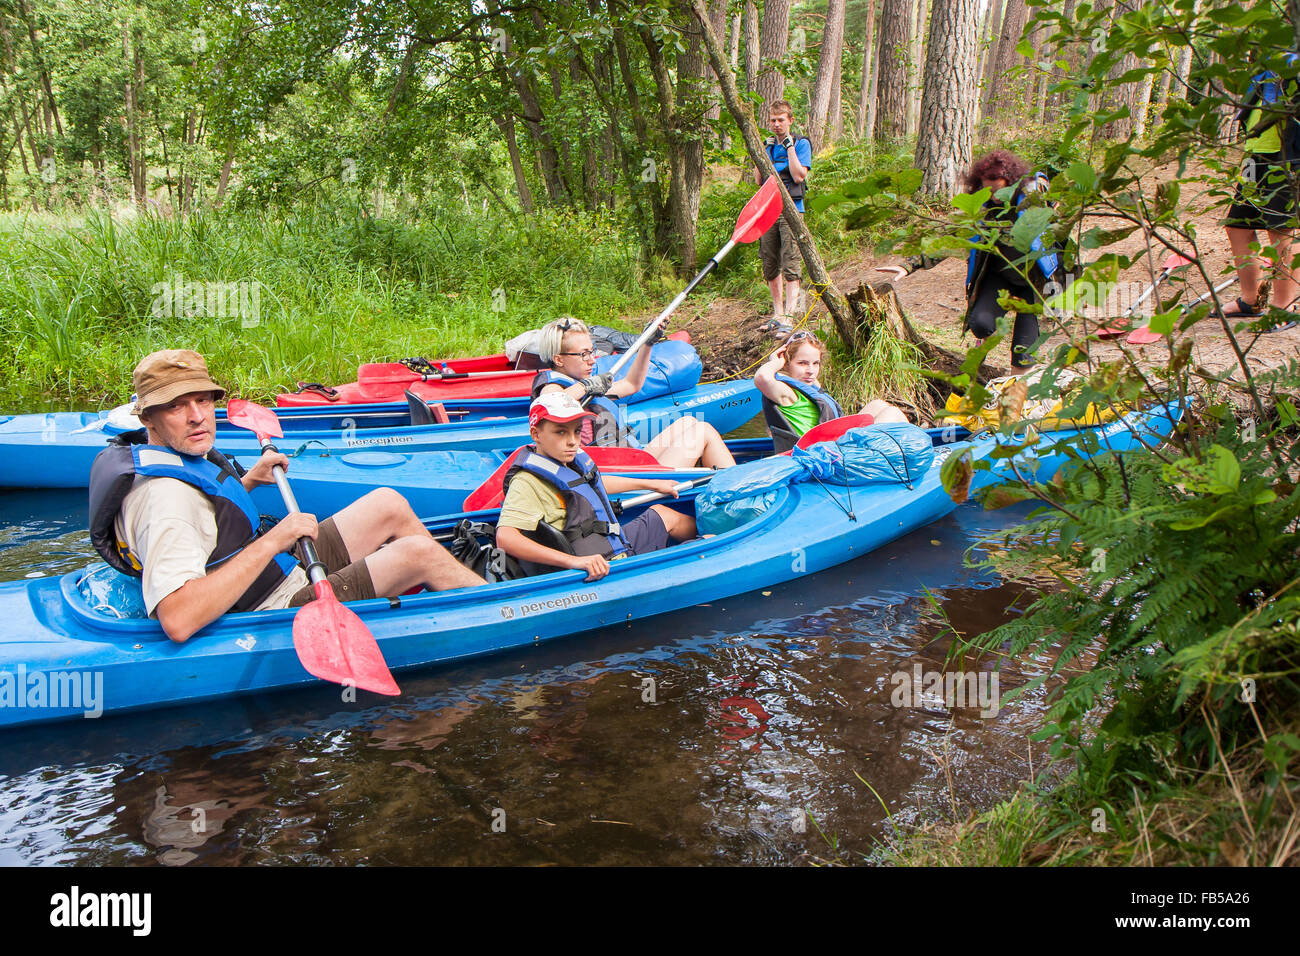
x,y
584,354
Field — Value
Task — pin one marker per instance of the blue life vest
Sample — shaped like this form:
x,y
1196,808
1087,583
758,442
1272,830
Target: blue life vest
x,y
797,190
784,435
610,426
1047,263
590,525
238,522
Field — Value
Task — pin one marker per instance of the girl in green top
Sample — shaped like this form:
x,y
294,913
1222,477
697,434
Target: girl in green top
x,y
793,399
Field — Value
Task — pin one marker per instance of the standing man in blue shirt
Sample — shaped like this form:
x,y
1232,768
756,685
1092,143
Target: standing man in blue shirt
x,y
782,263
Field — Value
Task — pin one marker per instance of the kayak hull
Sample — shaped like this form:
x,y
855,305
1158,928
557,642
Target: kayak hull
x,y
56,450
57,644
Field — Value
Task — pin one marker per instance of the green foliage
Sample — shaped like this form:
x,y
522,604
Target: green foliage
x,y
80,302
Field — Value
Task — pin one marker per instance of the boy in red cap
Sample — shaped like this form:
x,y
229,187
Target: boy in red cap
x,y
555,493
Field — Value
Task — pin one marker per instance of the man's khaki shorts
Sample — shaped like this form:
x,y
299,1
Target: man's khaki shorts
x,y
349,579
780,253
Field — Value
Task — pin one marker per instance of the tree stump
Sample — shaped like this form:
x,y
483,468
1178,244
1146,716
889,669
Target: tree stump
x,y
878,305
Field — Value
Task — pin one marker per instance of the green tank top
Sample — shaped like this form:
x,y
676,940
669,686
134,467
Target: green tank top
x,y
803,414
1268,141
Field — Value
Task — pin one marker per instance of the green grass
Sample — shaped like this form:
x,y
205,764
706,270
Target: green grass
x,y
78,296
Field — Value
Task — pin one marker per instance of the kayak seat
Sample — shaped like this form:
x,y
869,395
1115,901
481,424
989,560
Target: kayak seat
x,y
546,535
111,593
426,413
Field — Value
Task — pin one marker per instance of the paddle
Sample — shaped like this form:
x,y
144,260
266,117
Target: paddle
x,y
1174,261
652,495
332,642
754,220
490,493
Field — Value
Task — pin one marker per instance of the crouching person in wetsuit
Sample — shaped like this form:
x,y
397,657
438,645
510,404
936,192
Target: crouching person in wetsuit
x,y
167,507
555,493
793,399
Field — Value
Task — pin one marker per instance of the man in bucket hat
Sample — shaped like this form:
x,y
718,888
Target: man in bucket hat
x,y
169,508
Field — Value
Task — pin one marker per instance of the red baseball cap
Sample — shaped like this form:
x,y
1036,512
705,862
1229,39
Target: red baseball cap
x,y
556,407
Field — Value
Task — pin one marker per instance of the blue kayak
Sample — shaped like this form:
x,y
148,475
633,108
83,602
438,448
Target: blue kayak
x,y
78,645
55,450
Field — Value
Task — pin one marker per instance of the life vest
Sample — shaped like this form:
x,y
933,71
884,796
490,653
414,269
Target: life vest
x,y
1266,89
783,431
796,190
238,523
609,429
1048,262
590,526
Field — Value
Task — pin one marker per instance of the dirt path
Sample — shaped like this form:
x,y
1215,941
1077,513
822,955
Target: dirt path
x,y
727,332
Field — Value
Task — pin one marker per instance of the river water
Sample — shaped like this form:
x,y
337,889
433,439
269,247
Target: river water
x,y
763,729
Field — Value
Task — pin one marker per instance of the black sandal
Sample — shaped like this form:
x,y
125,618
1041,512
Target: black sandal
x,y
1249,310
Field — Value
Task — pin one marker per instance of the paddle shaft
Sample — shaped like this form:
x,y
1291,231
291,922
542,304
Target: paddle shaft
x,y
672,306
315,569
1164,274
652,495
1218,288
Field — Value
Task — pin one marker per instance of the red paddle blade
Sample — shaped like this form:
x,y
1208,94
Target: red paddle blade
x,y
1143,337
489,494
388,373
829,431
759,213
334,645
1176,260
611,458
254,417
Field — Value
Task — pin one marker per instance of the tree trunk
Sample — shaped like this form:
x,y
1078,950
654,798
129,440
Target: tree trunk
x,y
827,71
914,63
992,30
895,24
837,102
751,46
772,45
867,90
733,43
846,322
506,123
1000,95
943,148
678,162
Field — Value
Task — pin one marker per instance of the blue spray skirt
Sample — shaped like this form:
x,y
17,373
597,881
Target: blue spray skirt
x,y
63,656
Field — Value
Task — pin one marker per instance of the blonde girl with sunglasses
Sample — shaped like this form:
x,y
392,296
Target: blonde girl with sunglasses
x,y
565,345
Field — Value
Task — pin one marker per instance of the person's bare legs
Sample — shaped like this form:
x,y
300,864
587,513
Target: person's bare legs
x,y
883,412
1248,272
777,288
409,555
689,440
793,305
1285,287
680,527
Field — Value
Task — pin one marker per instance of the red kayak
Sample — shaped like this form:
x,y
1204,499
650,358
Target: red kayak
x,y
486,376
